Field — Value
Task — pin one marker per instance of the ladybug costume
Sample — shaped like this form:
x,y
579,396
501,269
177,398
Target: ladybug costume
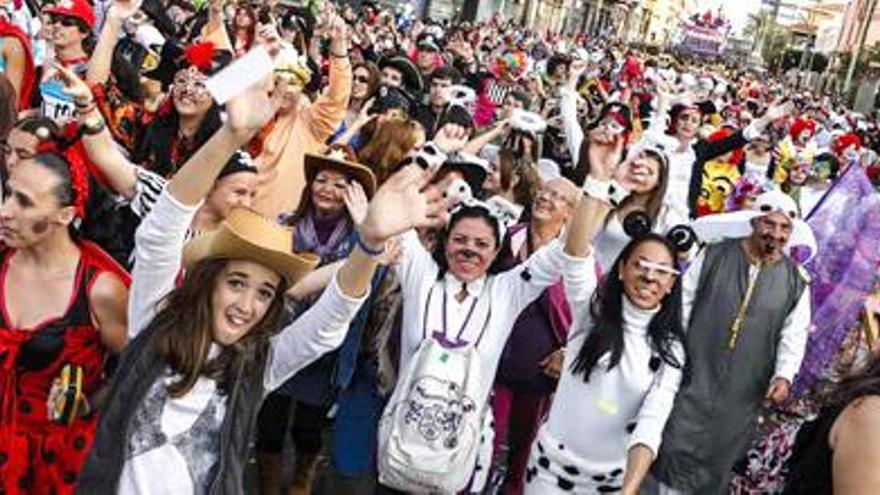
x,y
37,454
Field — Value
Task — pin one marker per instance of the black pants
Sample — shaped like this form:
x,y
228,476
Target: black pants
x,y
272,422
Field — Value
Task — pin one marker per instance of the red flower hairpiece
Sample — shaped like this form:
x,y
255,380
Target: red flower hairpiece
x,y
201,55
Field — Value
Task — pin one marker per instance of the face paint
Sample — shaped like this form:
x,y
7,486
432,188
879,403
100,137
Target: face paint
x,y
40,226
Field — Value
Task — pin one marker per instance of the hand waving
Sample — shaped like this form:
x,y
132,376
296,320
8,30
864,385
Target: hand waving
x,y
402,203
356,202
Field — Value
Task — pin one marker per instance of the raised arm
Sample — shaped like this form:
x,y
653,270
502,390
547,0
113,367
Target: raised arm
x,y
14,56
160,237
595,204
328,110
215,29
574,134
101,60
100,147
401,204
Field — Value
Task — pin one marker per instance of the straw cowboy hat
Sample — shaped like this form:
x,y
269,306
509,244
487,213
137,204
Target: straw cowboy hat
x,y
248,235
335,160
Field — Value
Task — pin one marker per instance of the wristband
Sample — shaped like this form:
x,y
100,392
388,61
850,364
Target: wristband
x,y
77,104
367,249
87,109
91,127
336,55
607,191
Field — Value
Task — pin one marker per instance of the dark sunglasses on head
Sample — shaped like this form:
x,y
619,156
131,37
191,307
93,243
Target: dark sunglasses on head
x,y
64,20
793,215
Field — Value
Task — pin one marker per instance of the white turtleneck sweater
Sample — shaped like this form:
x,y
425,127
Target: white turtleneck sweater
x,y
595,418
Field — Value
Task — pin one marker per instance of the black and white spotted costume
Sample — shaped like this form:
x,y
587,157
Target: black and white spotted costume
x,y
583,445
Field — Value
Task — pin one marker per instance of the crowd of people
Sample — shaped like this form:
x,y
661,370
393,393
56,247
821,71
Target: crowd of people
x,y
432,257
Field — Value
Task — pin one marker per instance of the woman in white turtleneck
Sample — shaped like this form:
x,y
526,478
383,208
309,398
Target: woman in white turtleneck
x,y
624,359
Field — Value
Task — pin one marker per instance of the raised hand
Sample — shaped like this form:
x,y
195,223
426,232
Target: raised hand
x,y
267,35
606,151
451,138
249,111
123,9
356,202
74,86
403,203
338,32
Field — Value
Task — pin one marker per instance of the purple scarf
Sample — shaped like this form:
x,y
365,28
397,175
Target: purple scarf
x,y
309,234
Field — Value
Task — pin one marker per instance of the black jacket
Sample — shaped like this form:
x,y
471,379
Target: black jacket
x,y
138,369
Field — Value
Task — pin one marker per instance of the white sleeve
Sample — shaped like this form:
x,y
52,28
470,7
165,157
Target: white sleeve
x,y
657,405
690,282
416,263
522,284
574,134
158,250
793,340
580,284
319,330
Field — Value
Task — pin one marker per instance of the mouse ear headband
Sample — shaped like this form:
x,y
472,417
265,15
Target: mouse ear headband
x,y
638,225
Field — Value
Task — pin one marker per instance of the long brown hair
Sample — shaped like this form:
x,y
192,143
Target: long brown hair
x,y
185,330
389,144
375,77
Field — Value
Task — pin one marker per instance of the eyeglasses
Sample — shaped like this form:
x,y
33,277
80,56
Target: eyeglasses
x,y
362,79
554,196
645,267
64,20
692,119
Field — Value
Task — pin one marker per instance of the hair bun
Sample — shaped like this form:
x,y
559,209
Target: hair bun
x,y
682,237
637,224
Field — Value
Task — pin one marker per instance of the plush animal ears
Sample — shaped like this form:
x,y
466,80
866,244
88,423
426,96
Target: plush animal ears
x,y
638,225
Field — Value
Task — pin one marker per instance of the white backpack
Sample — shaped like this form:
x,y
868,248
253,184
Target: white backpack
x,y
429,434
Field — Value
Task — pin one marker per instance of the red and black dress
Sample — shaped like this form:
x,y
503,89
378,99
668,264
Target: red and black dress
x,y
38,455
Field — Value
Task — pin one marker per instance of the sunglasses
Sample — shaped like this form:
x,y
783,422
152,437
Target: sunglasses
x,y
362,79
64,20
644,267
792,215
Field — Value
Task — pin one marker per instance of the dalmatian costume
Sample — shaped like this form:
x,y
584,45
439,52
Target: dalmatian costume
x,y
583,445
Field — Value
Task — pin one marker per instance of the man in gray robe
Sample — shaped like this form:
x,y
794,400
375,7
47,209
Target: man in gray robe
x,y
747,311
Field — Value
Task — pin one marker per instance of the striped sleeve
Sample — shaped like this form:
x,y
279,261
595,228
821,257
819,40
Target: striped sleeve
x,y
147,189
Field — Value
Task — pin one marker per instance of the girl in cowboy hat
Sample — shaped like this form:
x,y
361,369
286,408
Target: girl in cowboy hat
x,y
206,350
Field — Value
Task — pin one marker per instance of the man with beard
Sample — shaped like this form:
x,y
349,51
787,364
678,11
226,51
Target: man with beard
x,y
746,305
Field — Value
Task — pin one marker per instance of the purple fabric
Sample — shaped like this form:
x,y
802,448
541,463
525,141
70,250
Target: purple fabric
x,y
847,227
326,237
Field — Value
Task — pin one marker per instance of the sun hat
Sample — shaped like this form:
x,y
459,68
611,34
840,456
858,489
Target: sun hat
x,y
248,235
